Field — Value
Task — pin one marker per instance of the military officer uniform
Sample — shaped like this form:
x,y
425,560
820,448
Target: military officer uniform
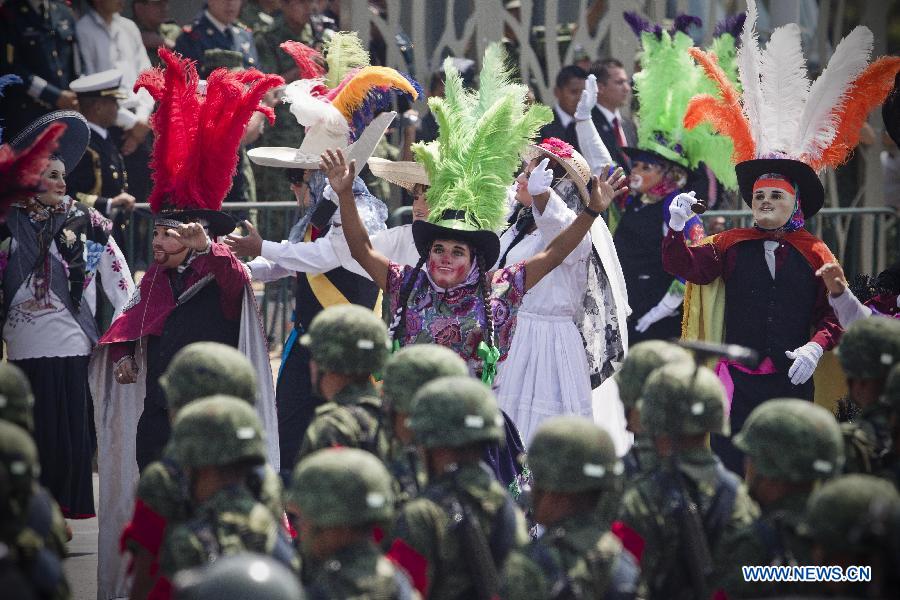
x,y
203,35
38,45
771,440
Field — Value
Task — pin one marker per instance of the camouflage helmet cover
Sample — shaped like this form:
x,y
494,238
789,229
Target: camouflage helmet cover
x,y
681,399
217,431
457,411
342,487
892,388
792,440
571,454
855,513
19,468
238,577
204,369
347,339
406,371
642,359
16,399
870,347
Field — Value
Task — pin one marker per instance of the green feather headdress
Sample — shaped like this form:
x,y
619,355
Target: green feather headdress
x,y
480,137
343,52
668,79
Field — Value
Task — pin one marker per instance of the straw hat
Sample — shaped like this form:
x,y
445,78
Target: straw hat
x,y
572,162
405,173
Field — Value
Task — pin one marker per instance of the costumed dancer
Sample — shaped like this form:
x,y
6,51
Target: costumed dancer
x,y
456,301
196,290
758,284
665,155
570,331
52,248
338,109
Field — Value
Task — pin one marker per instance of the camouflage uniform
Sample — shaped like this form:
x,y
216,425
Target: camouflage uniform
x,y
349,340
220,432
256,19
642,359
577,557
891,462
682,400
792,441
239,577
341,488
16,399
868,350
29,519
856,519
431,532
271,184
405,372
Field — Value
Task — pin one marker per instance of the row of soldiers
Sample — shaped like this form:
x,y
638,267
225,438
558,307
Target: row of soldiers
x,y
396,477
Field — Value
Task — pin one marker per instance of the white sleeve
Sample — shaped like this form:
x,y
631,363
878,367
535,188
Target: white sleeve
x,y
302,257
848,308
555,218
145,101
394,243
592,147
115,276
87,45
264,270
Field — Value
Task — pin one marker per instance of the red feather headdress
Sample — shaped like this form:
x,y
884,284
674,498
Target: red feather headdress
x,y
20,172
197,137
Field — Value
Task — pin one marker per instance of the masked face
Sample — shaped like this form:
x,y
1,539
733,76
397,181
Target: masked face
x,y
644,176
772,207
419,205
449,262
168,252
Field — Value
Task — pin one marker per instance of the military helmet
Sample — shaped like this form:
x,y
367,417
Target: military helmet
x,y
19,468
892,389
16,399
870,347
204,369
456,411
642,359
683,399
792,440
238,577
853,513
571,454
347,339
342,487
414,366
217,431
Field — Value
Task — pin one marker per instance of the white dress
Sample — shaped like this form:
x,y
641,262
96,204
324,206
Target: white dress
x,y
546,372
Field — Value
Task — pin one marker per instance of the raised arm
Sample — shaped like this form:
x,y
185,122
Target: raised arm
x,y
340,175
592,147
602,194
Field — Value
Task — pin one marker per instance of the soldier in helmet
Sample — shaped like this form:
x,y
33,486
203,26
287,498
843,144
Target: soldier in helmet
x,y
29,550
218,441
575,468
198,370
855,520
868,350
338,497
442,537
789,445
405,372
642,359
239,577
891,461
347,343
677,515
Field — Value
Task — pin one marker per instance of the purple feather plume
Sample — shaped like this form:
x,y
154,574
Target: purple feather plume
x,y
684,22
377,101
732,24
637,23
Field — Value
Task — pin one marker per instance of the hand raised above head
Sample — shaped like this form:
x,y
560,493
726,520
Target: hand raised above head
x,y
604,191
340,174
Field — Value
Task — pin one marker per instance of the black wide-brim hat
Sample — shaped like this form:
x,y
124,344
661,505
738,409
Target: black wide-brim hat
x,y
649,156
217,223
73,142
484,242
812,194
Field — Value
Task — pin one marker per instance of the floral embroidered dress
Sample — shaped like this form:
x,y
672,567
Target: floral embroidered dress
x,y
455,317
50,259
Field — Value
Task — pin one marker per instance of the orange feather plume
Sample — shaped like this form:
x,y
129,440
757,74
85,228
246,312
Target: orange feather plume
x,y
355,92
723,114
866,92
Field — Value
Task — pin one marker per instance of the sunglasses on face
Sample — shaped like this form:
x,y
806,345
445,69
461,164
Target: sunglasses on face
x,y
296,176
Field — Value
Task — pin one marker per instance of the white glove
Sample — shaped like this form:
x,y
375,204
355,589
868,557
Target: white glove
x,y
329,194
588,99
805,358
540,179
667,307
680,210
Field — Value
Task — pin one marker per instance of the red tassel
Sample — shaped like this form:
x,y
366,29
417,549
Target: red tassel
x,y
21,172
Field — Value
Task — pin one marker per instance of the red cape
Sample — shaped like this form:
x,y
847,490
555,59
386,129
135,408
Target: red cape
x,y
812,248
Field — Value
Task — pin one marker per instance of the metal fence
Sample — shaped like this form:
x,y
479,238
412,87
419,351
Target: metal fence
x,y
844,229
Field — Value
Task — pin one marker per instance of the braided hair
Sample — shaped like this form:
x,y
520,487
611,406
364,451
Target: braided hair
x,y
484,287
397,330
